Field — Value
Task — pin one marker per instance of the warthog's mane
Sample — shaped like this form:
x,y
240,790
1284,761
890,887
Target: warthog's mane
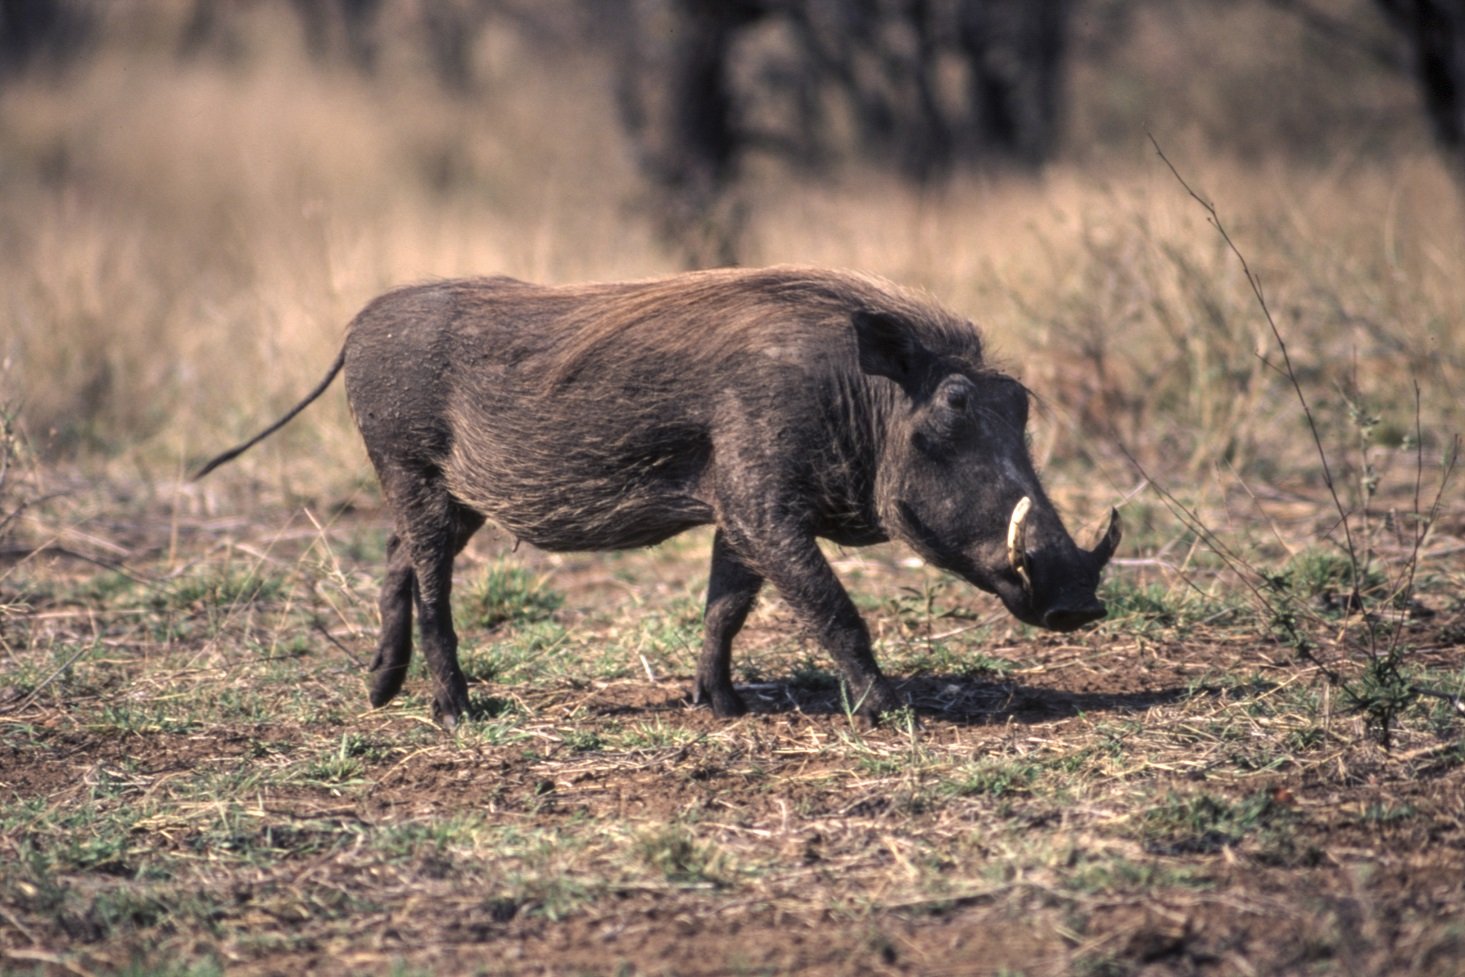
x,y
740,310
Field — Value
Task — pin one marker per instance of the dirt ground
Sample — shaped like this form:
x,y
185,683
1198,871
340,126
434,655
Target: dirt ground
x,y
191,781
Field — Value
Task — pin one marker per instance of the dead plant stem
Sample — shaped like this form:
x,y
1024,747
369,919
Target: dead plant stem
x,y
1290,372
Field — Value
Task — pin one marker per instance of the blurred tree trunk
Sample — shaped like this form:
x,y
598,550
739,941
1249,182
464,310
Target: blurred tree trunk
x,y
41,31
888,58
452,30
1015,52
1435,30
884,58
340,26
676,103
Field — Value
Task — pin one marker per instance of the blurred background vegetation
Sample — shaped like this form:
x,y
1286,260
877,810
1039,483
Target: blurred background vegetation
x,y
197,195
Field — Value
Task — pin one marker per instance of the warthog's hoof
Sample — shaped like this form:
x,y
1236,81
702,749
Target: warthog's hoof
x,y
386,683
878,699
725,703
450,706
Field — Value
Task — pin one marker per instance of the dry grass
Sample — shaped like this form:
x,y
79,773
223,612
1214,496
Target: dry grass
x,y
185,242
190,782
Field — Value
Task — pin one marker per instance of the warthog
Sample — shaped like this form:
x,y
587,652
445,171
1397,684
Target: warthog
x,y
780,405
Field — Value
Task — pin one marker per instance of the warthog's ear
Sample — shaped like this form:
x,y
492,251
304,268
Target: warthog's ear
x,y
886,346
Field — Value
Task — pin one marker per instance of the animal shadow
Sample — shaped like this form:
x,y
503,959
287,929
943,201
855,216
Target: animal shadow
x,y
962,699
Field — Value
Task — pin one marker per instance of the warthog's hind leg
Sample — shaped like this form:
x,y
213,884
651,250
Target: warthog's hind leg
x,y
432,528
731,590
394,651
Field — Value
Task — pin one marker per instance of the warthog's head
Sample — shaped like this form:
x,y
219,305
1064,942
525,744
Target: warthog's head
x,y
957,484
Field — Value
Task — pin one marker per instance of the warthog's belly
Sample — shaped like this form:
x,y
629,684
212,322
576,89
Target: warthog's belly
x,y
584,495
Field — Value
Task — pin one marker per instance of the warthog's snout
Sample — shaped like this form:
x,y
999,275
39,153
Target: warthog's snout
x,y
1057,580
1071,617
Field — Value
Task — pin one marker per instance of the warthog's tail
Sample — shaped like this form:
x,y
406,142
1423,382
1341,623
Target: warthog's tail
x,y
239,449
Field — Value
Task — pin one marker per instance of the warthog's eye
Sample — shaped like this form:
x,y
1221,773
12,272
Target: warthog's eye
x,y
950,414
955,394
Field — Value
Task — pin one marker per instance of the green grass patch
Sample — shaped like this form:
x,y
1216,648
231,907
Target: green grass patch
x,y
210,588
991,777
675,853
506,593
1186,824
1114,874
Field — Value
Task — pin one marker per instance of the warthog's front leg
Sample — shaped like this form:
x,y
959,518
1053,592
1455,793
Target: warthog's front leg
x,y
792,562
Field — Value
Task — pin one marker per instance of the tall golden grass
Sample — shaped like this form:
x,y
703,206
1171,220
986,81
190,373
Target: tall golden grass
x,y
182,241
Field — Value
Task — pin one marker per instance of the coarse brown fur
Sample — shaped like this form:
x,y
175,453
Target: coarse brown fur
x,y
779,404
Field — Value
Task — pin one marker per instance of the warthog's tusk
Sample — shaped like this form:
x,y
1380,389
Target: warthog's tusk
x,y
1109,542
1017,556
